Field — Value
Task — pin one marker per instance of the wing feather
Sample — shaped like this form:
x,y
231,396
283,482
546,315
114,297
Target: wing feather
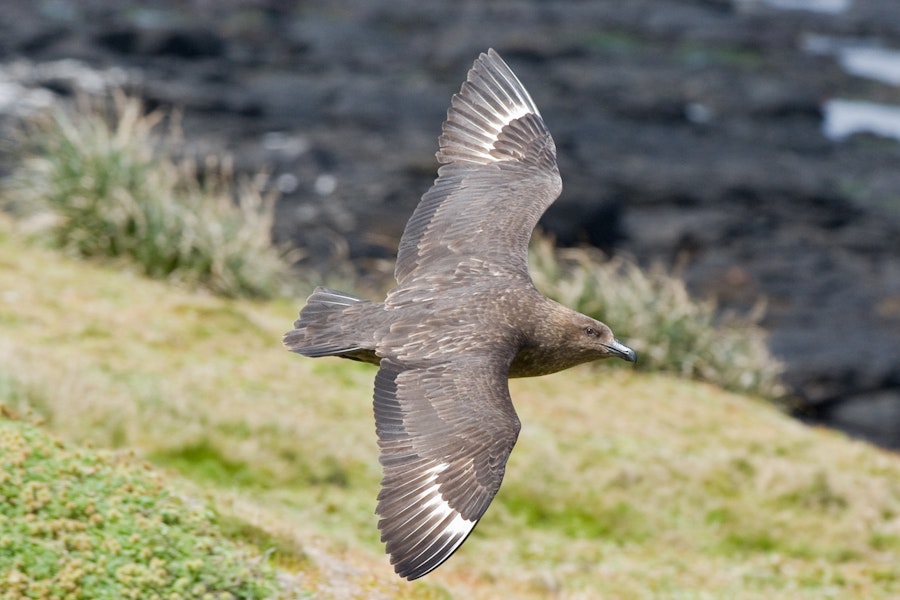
x,y
498,178
445,433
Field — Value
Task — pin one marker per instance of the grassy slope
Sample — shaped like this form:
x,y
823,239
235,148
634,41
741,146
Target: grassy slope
x,y
621,485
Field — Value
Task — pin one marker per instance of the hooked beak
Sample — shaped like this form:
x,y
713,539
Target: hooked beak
x,y
617,348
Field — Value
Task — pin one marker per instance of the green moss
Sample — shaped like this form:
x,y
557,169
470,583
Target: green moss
x,y
203,461
209,321
720,516
281,552
885,542
100,525
620,522
815,494
749,541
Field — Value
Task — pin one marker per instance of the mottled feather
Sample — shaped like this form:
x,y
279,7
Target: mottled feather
x,y
498,178
443,460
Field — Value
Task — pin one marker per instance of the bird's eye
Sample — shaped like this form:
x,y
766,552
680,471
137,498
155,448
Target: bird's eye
x,y
590,331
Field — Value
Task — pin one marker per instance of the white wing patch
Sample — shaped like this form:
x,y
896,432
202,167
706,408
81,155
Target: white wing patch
x,y
432,530
487,131
491,98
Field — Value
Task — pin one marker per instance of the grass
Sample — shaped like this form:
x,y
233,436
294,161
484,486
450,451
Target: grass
x,y
653,312
623,484
102,185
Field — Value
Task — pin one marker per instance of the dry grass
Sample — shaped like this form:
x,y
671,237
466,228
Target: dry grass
x,y
622,485
652,311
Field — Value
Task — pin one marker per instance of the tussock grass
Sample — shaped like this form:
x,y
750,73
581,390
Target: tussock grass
x,y
622,485
79,523
653,312
100,183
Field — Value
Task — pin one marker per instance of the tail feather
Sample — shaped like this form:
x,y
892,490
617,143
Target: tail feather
x,y
329,325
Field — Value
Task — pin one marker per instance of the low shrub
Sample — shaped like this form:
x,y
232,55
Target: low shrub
x,y
107,186
78,523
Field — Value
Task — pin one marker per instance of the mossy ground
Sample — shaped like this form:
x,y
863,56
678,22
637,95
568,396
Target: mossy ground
x,y
79,523
622,484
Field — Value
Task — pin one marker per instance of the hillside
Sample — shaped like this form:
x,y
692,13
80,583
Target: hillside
x,y
621,485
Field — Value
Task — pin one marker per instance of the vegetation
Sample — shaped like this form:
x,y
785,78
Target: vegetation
x,y
101,186
264,470
653,312
78,523
622,485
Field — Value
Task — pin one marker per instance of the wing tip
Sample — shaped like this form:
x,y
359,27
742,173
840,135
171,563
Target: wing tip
x,y
419,527
490,99
441,547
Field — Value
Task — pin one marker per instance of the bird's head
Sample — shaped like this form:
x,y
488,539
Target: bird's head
x,y
564,339
595,340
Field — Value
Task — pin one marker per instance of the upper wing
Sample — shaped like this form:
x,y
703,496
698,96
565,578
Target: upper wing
x,y
445,433
499,177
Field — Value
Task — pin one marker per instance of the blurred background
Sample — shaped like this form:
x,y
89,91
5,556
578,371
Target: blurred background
x,y
749,145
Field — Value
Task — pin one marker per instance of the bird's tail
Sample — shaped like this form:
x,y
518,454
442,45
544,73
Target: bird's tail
x,y
333,324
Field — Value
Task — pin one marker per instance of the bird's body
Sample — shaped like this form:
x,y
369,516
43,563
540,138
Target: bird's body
x,y
463,318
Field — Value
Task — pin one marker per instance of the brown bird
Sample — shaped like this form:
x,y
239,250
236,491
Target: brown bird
x,y
463,318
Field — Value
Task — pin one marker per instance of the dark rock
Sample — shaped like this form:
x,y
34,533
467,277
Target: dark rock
x,y
188,43
873,415
178,43
123,41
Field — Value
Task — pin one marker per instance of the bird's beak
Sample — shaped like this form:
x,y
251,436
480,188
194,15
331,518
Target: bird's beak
x,y
617,348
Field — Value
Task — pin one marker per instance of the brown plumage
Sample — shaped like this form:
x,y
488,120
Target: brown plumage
x,y
463,318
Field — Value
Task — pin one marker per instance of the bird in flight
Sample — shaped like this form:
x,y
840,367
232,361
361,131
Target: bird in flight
x,y
463,318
